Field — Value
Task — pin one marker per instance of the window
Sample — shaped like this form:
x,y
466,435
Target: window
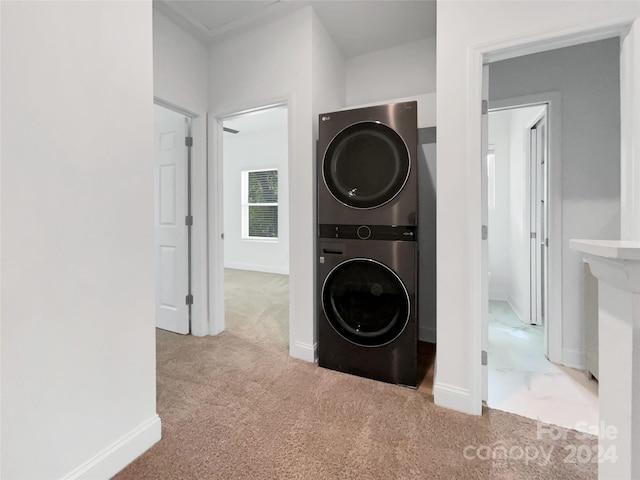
x,y
260,204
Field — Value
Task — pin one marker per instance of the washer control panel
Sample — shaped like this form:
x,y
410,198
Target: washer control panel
x,y
369,232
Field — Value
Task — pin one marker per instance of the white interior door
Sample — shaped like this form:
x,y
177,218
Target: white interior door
x,y
171,232
485,233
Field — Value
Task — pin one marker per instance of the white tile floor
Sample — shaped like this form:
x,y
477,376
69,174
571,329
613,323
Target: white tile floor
x,y
523,381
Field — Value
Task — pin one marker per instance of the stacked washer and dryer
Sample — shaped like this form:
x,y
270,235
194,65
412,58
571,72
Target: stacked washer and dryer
x,y
367,247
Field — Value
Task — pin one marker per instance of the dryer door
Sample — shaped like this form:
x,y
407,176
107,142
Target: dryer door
x,y
366,165
365,302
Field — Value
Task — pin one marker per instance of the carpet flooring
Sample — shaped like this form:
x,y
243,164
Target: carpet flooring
x,y
236,406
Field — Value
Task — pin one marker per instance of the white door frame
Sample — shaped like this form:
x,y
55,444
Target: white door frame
x,y
216,206
553,100
477,57
199,230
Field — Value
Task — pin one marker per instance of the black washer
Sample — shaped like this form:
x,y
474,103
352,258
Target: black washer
x,y
365,302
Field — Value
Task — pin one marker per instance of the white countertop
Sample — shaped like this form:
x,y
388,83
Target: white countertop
x,y
616,249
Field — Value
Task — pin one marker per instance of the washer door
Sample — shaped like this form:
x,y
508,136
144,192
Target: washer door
x,y
365,302
366,165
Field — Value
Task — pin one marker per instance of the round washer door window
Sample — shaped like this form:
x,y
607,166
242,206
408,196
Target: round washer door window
x,y
365,302
366,165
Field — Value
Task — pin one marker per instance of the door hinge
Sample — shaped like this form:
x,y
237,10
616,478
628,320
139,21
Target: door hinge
x,y
189,299
546,242
188,220
485,232
484,357
188,141
533,235
485,107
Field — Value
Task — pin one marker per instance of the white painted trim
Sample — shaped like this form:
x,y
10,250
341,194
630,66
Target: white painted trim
x,y
121,453
216,228
427,334
573,359
473,185
216,205
544,41
199,230
455,398
176,108
304,351
258,268
553,99
477,55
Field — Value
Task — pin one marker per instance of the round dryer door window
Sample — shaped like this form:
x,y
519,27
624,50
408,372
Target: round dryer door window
x,y
365,302
366,165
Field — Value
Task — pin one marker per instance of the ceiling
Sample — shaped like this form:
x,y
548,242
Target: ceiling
x,y
357,26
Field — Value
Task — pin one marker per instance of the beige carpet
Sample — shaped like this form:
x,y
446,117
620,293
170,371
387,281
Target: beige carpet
x,y
236,406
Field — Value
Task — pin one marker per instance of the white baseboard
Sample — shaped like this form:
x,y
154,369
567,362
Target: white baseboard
x,y
303,351
427,334
573,359
515,306
120,453
500,295
258,268
455,398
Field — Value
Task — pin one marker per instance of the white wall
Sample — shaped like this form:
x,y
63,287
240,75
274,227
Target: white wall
x,y
180,72
400,74
328,73
180,77
587,77
274,63
463,27
328,94
509,242
630,125
499,217
78,340
254,151
519,258
397,72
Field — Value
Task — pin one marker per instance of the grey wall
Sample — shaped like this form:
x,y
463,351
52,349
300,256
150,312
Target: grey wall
x,y
587,77
427,234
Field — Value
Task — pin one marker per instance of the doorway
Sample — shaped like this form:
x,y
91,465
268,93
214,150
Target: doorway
x,y
517,210
520,374
172,219
256,223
